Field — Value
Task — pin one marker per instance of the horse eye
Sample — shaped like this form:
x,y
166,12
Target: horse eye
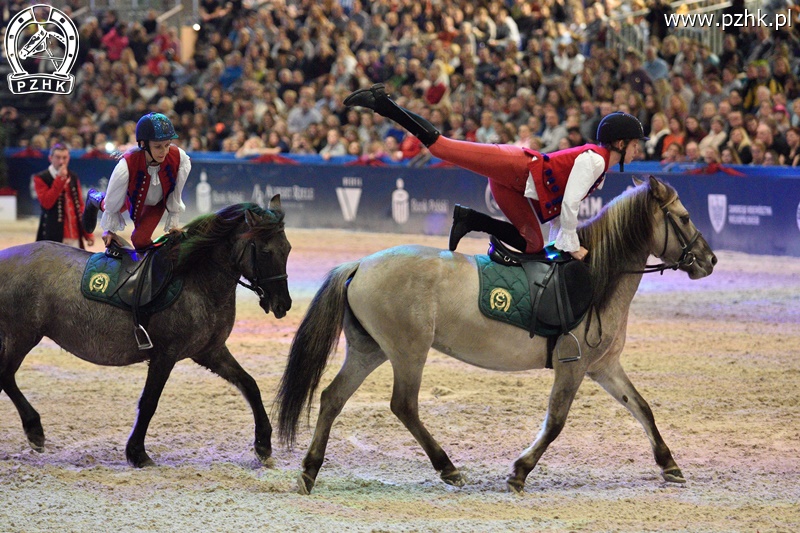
x,y
685,219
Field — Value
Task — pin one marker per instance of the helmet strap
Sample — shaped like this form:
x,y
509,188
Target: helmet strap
x,y
621,153
145,145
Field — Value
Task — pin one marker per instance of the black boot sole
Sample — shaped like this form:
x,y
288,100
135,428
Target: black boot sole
x,y
459,228
366,97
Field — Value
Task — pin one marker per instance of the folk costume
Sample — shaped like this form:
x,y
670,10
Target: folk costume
x,y
145,190
60,220
530,188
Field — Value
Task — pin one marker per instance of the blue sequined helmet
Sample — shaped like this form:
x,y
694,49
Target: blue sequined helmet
x,y
155,127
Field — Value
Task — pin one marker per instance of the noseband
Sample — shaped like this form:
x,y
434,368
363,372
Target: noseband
x,y
687,257
255,283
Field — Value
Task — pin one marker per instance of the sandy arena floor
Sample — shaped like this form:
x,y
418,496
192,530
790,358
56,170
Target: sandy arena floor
x,y
717,359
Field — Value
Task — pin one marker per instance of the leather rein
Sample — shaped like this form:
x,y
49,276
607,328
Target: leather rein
x,y
687,257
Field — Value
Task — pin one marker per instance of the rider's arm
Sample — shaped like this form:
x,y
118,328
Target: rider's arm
x,y
175,205
115,198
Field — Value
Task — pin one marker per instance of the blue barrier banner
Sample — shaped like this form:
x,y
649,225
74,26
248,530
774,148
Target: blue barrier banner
x,y
758,213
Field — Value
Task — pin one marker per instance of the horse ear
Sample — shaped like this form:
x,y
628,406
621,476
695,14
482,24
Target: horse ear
x,y
275,203
636,181
658,188
251,218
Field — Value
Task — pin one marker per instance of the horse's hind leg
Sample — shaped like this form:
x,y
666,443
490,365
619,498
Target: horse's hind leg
x,y
222,363
157,375
614,380
12,354
568,378
358,364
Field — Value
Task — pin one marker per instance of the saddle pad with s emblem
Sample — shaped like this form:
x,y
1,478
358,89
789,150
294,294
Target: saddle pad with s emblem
x,y
104,276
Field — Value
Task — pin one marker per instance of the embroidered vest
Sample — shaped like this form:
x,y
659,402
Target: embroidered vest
x,y
51,221
550,173
139,178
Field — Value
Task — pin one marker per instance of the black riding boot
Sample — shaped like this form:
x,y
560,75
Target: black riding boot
x,y
94,200
466,219
375,98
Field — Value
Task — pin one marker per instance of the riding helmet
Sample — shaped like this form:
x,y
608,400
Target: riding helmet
x,y
619,126
155,127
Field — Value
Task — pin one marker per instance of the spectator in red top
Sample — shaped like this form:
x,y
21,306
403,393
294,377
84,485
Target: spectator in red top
x,y
115,41
439,83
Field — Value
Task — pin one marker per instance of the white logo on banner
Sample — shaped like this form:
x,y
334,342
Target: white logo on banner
x,y
21,45
349,197
717,210
797,215
400,210
491,203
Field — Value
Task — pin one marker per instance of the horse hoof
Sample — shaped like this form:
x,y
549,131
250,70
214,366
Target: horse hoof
x,y
304,484
37,446
514,486
264,455
673,475
454,478
143,461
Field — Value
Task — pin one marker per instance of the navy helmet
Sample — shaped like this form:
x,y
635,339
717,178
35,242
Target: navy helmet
x,y
155,127
619,126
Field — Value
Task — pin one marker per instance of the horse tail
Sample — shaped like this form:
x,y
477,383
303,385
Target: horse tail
x,y
315,340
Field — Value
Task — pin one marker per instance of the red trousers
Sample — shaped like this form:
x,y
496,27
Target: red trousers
x,y
506,166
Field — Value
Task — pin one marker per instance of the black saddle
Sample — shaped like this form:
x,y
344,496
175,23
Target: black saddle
x,y
144,276
560,287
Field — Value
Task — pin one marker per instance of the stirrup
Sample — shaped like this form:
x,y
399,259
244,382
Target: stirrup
x,y
567,358
144,344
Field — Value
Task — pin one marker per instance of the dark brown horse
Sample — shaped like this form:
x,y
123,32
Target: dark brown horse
x,y
41,296
398,303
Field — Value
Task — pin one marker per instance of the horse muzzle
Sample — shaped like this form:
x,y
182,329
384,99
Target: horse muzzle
x,y
278,304
702,263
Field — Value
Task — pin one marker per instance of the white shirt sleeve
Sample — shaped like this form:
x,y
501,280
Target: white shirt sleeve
x,y
116,193
587,168
175,205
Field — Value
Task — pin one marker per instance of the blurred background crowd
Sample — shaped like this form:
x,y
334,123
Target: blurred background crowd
x,y
269,78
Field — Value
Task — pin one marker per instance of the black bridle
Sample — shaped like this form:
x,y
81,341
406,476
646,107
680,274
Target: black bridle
x,y
687,257
255,284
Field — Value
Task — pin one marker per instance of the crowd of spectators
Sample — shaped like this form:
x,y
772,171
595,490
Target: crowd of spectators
x,y
268,78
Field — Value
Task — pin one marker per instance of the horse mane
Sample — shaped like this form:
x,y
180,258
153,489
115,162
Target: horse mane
x,y
616,238
205,232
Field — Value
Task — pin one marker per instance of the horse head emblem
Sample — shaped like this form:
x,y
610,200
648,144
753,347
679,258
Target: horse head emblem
x,y
55,41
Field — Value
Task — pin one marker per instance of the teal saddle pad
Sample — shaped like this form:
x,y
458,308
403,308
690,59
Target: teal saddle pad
x,y
104,276
504,296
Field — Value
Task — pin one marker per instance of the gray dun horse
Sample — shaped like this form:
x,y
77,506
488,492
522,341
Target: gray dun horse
x,y
398,303
41,296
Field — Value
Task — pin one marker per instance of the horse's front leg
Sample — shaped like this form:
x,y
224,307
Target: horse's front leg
x,y
405,405
157,374
614,380
222,363
568,378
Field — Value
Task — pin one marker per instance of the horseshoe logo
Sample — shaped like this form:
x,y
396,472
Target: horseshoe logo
x,y
99,283
500,299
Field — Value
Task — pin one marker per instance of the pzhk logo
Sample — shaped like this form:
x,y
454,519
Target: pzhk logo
x,y
56,34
